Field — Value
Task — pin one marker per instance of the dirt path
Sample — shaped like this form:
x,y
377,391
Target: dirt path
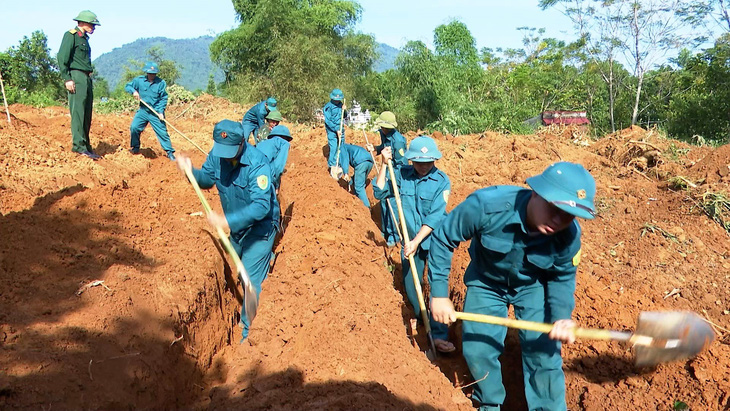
x,y
332,327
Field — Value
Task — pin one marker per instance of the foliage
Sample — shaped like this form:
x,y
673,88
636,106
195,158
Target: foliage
x,y
116,105
298,50
30,73
717,206
177,94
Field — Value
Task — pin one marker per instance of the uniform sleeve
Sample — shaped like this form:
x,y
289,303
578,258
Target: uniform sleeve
x,y
279,162
461,224
261,116
162,101
561,284
64,56
438,205
259,186
330,120
131,87
387,190
205,176
399,151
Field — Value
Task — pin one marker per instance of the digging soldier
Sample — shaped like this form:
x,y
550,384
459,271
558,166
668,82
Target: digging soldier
x,y
424,191
272,120
525,248
255,118
334,115
362,162
153,91
242,176
276,149
389,137
74,63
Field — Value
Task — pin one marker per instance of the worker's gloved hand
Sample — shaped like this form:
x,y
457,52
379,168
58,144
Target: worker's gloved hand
x,y
136,95
563,331
184,163
370,147
442,310
161,116
410,248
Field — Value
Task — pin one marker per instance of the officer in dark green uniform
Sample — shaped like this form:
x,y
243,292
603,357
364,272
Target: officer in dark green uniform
x,y
74,62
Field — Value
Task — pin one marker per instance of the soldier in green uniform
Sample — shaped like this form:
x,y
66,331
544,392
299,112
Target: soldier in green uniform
x,y
74,62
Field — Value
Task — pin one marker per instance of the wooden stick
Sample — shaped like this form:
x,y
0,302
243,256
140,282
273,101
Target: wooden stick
x,y
339,136
173,127
387,200
411,261
5,101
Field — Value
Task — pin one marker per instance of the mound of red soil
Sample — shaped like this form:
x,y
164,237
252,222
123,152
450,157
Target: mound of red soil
x,y
332,330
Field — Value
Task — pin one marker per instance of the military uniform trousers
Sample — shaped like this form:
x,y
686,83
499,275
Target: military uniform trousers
x,y
484,343
139,123
332,142
439,330
81,105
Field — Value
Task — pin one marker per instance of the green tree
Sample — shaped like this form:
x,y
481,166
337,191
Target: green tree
x,y
30,73
211,86
297,50
168,70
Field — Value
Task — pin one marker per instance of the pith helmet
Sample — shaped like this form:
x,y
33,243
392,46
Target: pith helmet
x,y
151,67
227,137
337,95
568,186
88,17
274,115
423,150
281,131
386,120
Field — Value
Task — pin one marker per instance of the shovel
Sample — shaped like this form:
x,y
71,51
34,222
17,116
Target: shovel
x,y
250,300
173,127
412,262
659,336
387,200
339,140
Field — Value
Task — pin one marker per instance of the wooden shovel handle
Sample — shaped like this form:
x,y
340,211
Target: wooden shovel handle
x,y
589,333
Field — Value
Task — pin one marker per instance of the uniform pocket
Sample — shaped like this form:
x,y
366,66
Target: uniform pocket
x,y
496,244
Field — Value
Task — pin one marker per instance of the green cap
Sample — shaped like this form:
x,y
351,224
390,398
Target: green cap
x,y
227,138
274,115
88,17
568,186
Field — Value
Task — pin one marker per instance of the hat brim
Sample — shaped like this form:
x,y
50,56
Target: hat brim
x,y
548,192
224,151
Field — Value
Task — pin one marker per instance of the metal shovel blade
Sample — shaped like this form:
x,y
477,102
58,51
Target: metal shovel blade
x,y
670,336
250,300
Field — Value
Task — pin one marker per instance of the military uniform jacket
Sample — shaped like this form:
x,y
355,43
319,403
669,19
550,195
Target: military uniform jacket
x,y
352,156
332,113
74,54
256,115
276,150
248,199
424,198
502,251
154,93
397,143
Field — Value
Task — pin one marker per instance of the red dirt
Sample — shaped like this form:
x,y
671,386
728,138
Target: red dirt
x,y
332,326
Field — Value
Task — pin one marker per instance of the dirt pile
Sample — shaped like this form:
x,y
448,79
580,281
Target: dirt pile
x,y
332,332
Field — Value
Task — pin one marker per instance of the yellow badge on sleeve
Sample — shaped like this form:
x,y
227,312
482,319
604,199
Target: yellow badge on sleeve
x,y
401,152
576,258
262,181
446,196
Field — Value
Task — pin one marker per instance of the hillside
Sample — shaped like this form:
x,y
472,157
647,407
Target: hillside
x,y
332,331
193,56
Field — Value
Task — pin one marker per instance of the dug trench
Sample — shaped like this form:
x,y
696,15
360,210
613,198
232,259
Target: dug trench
x,y
333,329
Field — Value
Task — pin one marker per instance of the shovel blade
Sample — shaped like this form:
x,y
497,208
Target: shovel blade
x,y
250,300
676,336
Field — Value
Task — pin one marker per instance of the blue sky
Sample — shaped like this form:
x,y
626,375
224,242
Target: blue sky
x,y
492,23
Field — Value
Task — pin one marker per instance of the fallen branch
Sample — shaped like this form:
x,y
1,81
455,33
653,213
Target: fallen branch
x,y
472,383
91,284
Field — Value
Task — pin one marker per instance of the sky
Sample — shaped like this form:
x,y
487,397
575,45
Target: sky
x,y
492,23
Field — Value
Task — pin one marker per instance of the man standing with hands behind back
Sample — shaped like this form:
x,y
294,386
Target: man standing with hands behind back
x,y
74,62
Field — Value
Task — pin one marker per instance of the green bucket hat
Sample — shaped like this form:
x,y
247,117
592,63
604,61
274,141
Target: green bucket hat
x,y
227,138
274,115
568,186
423,150
88,17
386,120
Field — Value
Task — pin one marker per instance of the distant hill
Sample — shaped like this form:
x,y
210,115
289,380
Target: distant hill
x,y
386,59
193,56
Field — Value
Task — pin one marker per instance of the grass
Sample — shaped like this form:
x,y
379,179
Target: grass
x,y
717,207
680,183
655,229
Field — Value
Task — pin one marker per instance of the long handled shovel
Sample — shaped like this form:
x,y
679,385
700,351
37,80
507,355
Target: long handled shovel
x,y
412,262
659,336
250,300
339,140
387,200
5,101
173,127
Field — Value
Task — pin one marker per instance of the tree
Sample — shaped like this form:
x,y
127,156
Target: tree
x,y
296,49
211,86
168,69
